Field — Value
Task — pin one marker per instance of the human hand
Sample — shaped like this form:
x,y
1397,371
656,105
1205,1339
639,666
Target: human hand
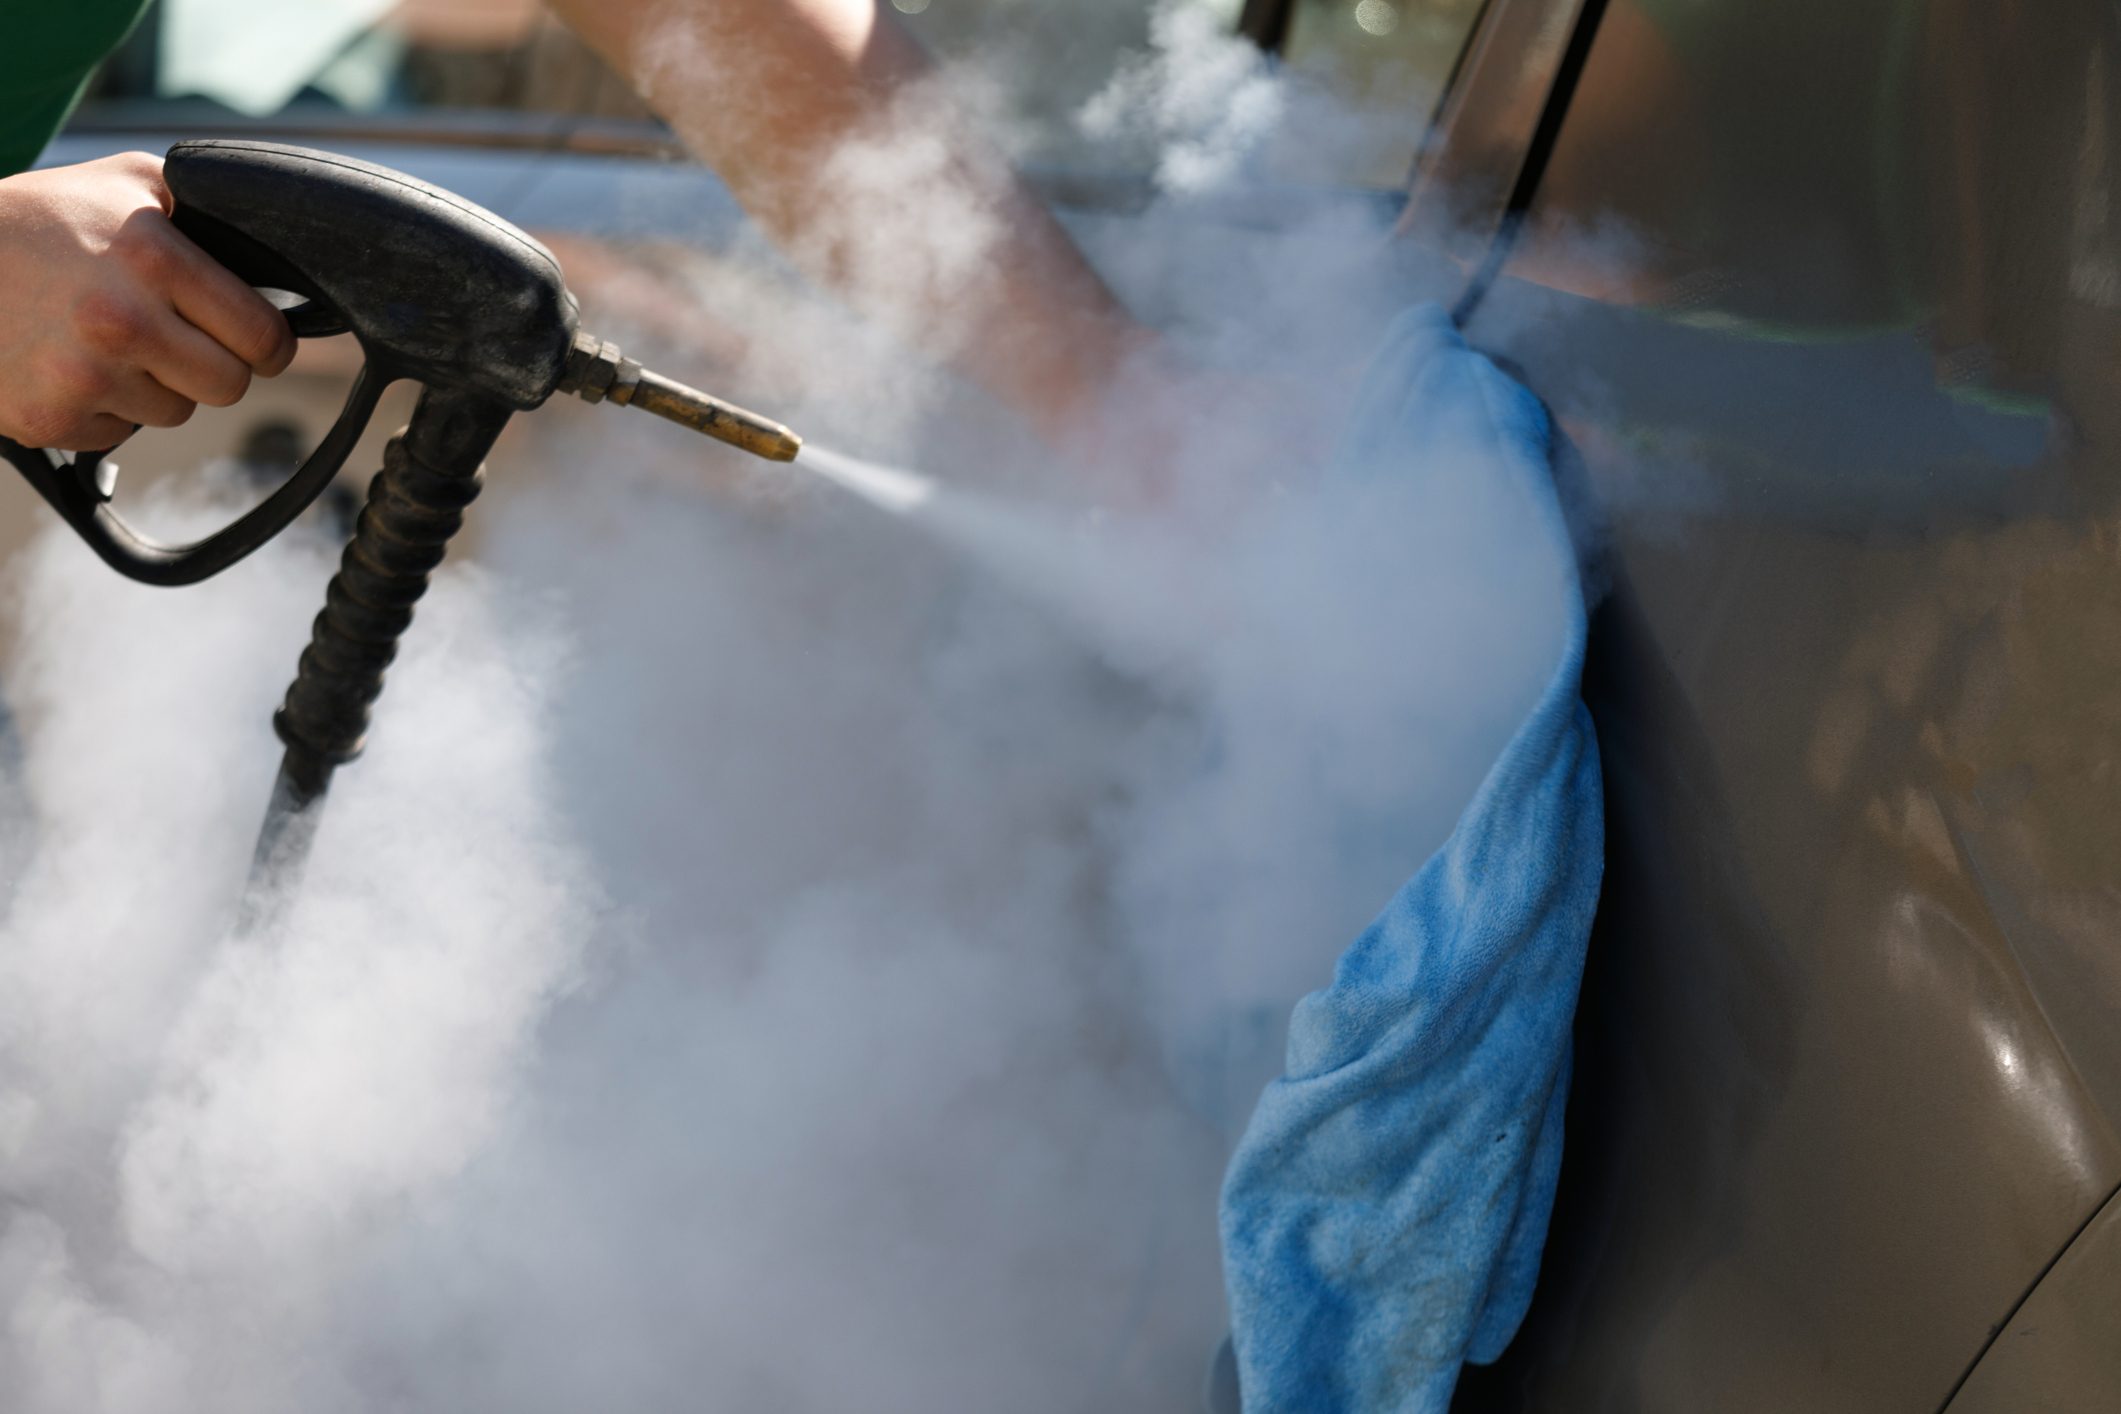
x,y
109,318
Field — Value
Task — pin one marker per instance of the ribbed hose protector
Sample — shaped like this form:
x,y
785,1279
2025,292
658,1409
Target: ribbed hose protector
x,y
432,470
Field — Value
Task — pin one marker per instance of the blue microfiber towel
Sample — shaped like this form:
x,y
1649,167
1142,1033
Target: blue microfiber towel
x,y
1383,1216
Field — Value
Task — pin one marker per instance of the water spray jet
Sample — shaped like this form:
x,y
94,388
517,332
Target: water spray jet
x,y
1119,589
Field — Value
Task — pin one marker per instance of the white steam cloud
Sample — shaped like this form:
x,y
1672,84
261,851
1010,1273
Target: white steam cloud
x,y
1202,101
769,959
204,1133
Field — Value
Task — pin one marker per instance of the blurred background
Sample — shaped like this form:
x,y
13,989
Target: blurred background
x,y
507,70
496,100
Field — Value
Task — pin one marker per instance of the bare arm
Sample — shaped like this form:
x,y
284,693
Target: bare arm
x,y
817,115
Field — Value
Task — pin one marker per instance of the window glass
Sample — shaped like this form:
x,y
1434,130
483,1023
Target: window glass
x,y
263,57
1387,62
1040,62
1038,68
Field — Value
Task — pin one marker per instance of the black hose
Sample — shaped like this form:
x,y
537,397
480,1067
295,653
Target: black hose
x,y
431,471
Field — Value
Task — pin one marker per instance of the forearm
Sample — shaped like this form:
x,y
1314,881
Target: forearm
x,y
815,113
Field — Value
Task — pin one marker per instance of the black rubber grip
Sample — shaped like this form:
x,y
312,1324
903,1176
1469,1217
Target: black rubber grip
x,y
431,472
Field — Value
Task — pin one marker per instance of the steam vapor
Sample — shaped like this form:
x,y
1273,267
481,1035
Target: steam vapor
x,y
769,959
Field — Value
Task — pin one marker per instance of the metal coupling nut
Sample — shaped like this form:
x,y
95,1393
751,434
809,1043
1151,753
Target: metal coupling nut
x,y
592,367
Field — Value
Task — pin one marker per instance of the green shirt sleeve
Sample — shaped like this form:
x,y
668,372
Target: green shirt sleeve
x,y
49,49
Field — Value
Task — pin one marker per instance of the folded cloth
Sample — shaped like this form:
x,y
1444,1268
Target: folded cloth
x,y
1384,1213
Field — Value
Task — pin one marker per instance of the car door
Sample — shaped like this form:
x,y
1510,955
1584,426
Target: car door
x,y
1826,294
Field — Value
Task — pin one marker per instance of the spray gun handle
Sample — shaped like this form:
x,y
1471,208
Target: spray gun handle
x,y
432,288
80,491
80,488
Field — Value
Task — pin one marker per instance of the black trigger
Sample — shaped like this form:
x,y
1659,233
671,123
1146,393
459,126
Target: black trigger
x,y
97,473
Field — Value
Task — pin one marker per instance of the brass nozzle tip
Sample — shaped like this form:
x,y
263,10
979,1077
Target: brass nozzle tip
x,y
725,422
597,370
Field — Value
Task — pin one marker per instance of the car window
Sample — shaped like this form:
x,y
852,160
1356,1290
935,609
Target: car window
x,y
1387,62
1037,65
405,58
261,58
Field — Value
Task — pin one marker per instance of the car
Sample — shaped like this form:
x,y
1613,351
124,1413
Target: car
x,y
1842,1134
1827,296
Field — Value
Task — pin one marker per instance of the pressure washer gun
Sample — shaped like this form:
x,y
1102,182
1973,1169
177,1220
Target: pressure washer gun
x,y
433,289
